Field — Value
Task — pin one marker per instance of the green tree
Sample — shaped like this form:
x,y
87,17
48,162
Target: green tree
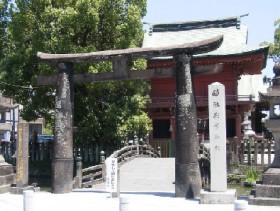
x,y
5,6
274,48
70,26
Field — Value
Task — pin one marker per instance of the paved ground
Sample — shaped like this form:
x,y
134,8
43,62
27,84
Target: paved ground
x,y
147,174
145,190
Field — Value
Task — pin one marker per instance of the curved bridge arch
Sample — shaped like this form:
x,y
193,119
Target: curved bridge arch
x,y
96,174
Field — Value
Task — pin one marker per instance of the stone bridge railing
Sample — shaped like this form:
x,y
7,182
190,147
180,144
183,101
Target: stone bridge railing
x,y
90,176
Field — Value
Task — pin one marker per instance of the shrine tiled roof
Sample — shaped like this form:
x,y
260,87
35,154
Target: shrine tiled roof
x,y
235,36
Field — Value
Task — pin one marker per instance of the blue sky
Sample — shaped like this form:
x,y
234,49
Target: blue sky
x,y
260,21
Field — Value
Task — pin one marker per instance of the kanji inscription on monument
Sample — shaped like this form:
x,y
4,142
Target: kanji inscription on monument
x,y
22,155
217,130
112,174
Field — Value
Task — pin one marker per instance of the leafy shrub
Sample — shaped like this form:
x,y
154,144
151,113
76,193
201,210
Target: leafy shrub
x,y
252,174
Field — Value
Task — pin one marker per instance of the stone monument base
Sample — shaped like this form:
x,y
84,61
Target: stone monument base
x,y
268,194
227,197
19,190
2,160
7,176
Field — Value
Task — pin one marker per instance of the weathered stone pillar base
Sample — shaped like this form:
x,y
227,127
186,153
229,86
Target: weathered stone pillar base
x,y
2,160
7,176
268,194
224,197
187,177
20,190
271,177
62,175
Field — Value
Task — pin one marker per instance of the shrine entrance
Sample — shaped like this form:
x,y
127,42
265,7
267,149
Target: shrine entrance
x,y
187,174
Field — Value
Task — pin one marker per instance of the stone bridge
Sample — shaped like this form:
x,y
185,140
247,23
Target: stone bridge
x,y
147,175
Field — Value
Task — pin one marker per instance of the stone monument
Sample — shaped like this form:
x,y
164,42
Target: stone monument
x,y
268,193
22,156
112,177
218,194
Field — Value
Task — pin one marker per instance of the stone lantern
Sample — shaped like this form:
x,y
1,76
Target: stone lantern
x,y
268,193
247,126
273,123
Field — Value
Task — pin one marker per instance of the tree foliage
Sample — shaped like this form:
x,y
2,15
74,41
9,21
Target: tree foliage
x,y
274,48
4,17
73,26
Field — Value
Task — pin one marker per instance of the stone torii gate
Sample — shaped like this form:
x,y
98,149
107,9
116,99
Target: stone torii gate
x,y
187,174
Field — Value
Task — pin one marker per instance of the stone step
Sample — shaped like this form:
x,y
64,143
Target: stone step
x,y
271,177
5,188
6,170
264,201
269,191
7,179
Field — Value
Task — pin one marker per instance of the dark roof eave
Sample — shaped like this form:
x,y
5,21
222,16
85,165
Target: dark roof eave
x,y
263,50
185,26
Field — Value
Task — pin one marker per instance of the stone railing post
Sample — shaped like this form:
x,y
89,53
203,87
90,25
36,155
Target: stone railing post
x,y
79,173
137,150
102,157
242,152
103,172
262,153
256,152
249,152
159,151
235,150
269,151
102,161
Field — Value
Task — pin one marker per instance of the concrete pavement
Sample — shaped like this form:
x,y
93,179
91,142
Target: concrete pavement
x,y
146,184
91,199
147,174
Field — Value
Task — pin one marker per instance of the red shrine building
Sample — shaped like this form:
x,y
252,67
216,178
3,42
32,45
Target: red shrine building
x,y
236,60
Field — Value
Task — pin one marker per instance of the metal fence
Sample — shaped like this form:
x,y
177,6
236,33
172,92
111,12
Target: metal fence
x,y
90,153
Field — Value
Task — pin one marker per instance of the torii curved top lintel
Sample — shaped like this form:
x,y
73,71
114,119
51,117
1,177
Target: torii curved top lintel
x,y
146,53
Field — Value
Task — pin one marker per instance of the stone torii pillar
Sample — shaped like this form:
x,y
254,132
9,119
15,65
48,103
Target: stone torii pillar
x,y
62,166
187,173
187,182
